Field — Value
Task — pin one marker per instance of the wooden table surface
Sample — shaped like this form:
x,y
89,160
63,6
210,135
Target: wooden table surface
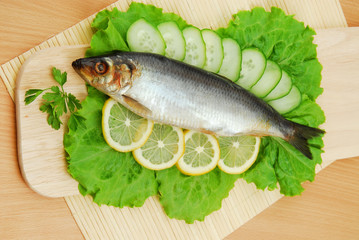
x,y
328,208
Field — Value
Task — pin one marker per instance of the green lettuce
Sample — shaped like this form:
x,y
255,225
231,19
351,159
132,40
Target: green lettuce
x,y
110,177
283,40
111,26
193,197
289,43
115,178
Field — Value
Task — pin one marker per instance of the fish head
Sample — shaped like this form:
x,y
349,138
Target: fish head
x,y
110,75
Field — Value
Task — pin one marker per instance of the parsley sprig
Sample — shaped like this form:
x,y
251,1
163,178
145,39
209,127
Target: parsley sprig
x,y
56,102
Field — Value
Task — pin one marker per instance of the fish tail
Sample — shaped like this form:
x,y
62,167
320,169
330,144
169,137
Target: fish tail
x,y
301,135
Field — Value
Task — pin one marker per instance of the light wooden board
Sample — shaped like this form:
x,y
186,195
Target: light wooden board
x,y
36,139
110,223
338,51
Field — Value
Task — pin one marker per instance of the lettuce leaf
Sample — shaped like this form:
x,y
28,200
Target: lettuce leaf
x,y
105,22
278,161
289,43
116,179
283,40
193,197
110,177
106,41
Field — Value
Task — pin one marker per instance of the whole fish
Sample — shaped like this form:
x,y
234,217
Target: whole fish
x,y
175,93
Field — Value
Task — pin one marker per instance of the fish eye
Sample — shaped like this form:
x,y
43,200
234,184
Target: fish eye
x,y
101,67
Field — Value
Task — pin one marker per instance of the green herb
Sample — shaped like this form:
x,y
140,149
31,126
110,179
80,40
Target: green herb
x,y
57,101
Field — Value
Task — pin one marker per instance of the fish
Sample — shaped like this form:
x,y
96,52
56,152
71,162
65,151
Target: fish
x,y
172,92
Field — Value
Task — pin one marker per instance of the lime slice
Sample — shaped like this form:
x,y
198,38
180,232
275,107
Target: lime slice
x,y
201,153
123,130
163,148
238,153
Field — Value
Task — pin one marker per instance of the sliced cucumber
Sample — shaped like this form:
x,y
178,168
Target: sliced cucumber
x,y
269,80
175,44
253,65
214,50
232,59
288,102
282,88
195,47
143,37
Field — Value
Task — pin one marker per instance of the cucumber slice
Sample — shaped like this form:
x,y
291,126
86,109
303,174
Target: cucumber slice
x,y
195,47
232,59
214,50
175,44
269,80
253,65
288,102
143,37
282,88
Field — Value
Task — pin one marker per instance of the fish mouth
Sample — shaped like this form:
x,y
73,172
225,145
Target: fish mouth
x,y
77,65
83,68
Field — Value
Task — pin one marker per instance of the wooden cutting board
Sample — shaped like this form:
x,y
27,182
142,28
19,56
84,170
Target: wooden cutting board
x,y
40,148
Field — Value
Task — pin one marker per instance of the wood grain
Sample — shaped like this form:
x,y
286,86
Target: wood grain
x,y
25,24
33,221
23,213
351,12
338,52
328,209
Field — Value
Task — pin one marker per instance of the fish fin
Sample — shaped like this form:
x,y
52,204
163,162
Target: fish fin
x,y
206,131
136,106
300,138
254,134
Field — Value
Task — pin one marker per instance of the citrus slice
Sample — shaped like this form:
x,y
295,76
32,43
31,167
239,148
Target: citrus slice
x,y
123,130
201,153
238,153
162,149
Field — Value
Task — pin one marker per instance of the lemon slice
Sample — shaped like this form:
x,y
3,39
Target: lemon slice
x,y
238,153
201,153
123,130
162,149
